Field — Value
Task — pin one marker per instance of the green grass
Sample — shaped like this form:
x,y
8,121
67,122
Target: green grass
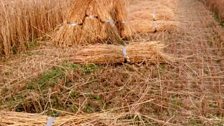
x,y
33,44
47,79
218,18
52,76
55,77
222,23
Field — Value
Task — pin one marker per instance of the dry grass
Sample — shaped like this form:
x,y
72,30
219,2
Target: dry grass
x,y
189,92
23,21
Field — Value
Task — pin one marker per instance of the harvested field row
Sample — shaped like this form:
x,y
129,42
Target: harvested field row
x,y
135,52
47,81
34,19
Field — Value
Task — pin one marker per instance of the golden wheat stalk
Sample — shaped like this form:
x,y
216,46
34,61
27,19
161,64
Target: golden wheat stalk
x,y
92,21
136,52
153,14
106,118
23,21
26,119
142,26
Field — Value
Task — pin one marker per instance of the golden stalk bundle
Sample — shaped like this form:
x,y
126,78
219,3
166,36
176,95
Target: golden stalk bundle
x,y
166,25
149,17
78,11
65,35
93,23
135,52
92,31
153,14
145,26
136,5
26,119
169,3
151,10
142,26
141,5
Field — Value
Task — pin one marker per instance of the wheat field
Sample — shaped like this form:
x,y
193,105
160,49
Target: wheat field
x,y
24,21
40,81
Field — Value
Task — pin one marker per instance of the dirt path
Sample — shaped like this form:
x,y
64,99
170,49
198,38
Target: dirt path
x,y
199,75
188,92
198,43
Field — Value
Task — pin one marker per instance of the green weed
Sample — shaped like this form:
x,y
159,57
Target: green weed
x,y
52,79
218,18
47,79
87,69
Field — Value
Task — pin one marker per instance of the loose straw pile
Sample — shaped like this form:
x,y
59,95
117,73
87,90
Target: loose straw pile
x,y
136,52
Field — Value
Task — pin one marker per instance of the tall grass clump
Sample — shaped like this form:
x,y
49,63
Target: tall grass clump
x,y
23,21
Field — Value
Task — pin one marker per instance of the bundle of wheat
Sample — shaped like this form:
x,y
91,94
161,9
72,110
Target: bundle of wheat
x,y
152,14
71,30
138,4
145,26
92,21
166,25
26,119
135,52
107,118
169,3
150,17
